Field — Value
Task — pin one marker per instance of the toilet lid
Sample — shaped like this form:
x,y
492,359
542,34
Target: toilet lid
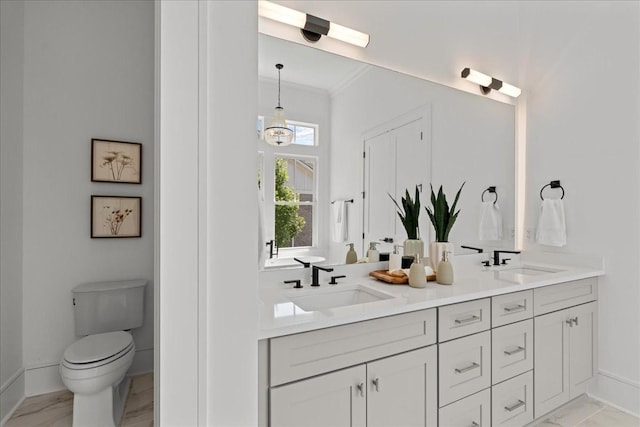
x,y
94,348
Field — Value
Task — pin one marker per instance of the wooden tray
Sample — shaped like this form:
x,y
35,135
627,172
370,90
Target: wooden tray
x,y
395,279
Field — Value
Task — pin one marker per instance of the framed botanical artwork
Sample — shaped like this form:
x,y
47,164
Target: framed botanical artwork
x,y
116,161
116,216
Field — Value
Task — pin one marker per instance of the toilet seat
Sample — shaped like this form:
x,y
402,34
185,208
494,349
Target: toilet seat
x,y
97,350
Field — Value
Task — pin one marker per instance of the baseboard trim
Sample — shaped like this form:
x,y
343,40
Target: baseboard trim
x,y
11,395
45,377
618,392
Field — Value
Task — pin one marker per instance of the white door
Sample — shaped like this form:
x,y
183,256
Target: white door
x,y
380,181
551,358
337,399
582,340
402,390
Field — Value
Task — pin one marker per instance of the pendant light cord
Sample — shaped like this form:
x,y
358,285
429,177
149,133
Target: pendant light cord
x,y
279,67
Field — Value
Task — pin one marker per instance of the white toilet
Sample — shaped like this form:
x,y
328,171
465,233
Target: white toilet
x,y
94,367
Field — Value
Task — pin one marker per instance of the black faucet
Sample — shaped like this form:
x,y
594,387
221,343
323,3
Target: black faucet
x,y
496,256
304,263
480,250
315,272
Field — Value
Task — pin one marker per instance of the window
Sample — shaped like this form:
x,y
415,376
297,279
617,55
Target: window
x,y
287,177
294,201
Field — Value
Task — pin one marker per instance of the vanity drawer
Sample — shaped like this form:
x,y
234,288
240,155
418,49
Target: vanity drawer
x,y
466,318
511,350
464,366
311,353
556,297
472,411
511,308
512,401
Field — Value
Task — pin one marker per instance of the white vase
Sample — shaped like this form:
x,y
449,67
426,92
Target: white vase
x,y
412,247
436,249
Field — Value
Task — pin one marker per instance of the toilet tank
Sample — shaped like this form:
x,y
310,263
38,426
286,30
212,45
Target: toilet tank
x,y
108,306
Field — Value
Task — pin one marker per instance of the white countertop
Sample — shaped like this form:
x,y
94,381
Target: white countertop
x,y
280,316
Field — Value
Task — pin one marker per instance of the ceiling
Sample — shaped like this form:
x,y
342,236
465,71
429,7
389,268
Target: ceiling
x,y
304,65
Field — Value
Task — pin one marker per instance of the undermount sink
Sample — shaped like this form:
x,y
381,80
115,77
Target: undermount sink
x,y
530,271
340,296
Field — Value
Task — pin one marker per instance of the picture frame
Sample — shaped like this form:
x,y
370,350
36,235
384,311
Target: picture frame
x,y
116,161
116,216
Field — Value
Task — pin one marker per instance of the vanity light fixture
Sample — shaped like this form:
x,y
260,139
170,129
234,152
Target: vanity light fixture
x,y
312,27
487,83
278,133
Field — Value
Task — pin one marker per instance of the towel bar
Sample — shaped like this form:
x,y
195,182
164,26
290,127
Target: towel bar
x,y
552,184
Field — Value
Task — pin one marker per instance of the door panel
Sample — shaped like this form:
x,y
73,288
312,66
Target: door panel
x,y
582,336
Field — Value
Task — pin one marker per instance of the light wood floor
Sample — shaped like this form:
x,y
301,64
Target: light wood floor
x,y
56,409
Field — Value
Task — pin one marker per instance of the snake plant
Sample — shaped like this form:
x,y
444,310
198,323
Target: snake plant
x,y
409,213
442,216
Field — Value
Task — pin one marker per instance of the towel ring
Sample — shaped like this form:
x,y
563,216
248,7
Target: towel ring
x,y
553,184
490,190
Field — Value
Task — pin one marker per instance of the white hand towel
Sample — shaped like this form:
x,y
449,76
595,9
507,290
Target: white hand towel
x,y
339,220
490,221
552,229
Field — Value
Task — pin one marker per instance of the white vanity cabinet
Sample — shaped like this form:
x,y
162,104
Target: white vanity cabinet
x,y
565,355
381,372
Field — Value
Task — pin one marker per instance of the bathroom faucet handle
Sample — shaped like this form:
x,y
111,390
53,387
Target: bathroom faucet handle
x,y
504,261
486,263
333,279
297,283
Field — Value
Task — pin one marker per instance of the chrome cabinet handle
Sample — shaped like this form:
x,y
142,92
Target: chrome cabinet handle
x,y
473,318
514,308
514,407
360,388
376,383
572,321
514,351
474,365
575,320
475,424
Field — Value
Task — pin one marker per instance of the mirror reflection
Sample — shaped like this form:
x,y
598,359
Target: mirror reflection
x,y
361,134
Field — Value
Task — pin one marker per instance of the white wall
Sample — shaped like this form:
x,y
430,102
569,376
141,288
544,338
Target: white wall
x,y
88,73
577,63
588,138
207,214
11,86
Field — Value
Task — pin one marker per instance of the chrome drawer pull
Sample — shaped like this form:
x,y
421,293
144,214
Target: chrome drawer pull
x,y
474,424
376,383
515,308
474,365
473,318
514,407
514,351
360,388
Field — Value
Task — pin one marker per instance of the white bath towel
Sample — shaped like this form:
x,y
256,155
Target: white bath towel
x,y
490,221
339,219
552,229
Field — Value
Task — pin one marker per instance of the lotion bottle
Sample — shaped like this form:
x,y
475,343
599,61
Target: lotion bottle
x,y
395,259
444,275
372,254
352,256
417,276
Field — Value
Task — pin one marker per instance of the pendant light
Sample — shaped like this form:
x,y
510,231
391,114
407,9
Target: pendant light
x,y
278,133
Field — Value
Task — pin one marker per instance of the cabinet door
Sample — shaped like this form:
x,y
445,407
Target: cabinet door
x,y
582,341
336,399
551,358
402,390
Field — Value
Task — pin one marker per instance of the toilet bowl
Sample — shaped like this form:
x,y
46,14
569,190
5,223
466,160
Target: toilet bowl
x,y
94,369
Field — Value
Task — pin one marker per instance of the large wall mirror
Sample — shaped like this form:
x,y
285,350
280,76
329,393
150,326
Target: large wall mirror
x,y
360,128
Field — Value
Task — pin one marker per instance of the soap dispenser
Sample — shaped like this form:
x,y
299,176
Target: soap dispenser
x,y
352,256
444,276
417,276
395,259
372,254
